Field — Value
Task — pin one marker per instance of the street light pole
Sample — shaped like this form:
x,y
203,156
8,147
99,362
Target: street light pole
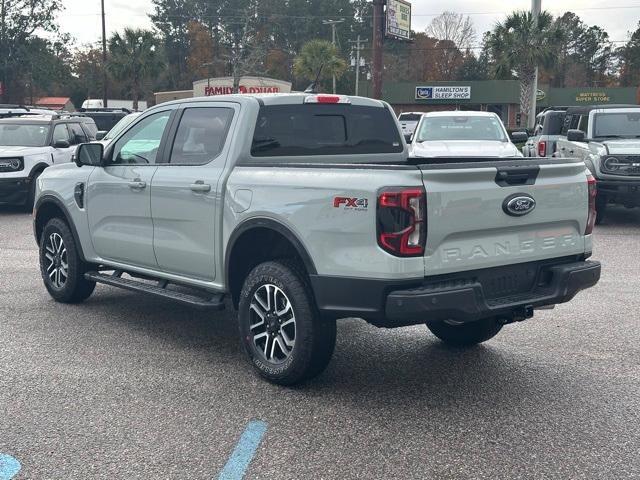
x,y
536,8
333,24
104,58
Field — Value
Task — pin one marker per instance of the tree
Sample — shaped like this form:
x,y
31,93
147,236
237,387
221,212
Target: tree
x,y
629,56
519,44
200,61
453,27
316,54
135,59
20,20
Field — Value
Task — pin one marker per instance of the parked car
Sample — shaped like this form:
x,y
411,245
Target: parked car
x,y
105,137
464,134
409,122
105,118
29,144
546,133
607,139
304,209
7,110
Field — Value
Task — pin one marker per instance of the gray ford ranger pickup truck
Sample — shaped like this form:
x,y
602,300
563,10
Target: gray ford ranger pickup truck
x,y
302,209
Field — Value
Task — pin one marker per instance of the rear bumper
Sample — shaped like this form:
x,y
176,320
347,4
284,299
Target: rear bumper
x,y
14,191
466,301
510,292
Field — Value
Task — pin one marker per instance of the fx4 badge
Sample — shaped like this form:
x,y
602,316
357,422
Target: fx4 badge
x,y
347,203
518,205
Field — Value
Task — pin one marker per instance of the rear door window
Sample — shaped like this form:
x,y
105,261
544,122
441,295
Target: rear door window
x,y
312,129
77,134
201,135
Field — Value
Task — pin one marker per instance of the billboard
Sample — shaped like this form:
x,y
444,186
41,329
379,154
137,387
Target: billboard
x,y
443,93
398,22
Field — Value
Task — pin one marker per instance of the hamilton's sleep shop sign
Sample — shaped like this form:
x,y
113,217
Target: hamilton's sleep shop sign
x,y
443,93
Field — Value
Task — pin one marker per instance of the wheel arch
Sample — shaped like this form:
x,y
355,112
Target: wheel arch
x,y
48,207
282,242
37,168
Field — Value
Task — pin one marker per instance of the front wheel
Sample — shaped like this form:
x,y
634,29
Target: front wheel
x,y
601,208
61,267
285,338
465,334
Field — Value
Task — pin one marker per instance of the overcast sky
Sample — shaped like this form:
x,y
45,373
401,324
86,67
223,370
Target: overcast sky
x,y
81,18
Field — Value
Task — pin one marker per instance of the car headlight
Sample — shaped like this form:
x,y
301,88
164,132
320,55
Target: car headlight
x,y
612,164
11,164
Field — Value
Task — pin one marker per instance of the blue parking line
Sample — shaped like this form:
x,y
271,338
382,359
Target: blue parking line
x,y
244,452
9,466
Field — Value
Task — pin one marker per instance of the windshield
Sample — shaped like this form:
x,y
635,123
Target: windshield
x,y
121,125
409,117
617,125
460,128
21,135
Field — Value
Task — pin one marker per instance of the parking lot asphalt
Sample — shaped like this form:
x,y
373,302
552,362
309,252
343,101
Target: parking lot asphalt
x,y
127,386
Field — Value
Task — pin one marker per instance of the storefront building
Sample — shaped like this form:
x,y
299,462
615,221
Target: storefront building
x,y
210,87
499,96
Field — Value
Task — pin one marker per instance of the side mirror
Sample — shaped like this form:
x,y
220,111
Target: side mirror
x,y
519,137
89,154
101,134
575,136
408,137
61,144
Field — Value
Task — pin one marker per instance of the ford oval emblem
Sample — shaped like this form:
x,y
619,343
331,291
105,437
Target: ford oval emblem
x,y
519,204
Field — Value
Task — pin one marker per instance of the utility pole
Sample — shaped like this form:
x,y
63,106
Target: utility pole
x,y
378,34
104,59
536,8
358,43
333,24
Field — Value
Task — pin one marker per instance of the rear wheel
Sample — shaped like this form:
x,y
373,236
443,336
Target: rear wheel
x,y
285,338
465,334
61,267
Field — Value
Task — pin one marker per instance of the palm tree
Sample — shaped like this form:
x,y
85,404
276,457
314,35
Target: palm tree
x,y
316,54
135,58
519,45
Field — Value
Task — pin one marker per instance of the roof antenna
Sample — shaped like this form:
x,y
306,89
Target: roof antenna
x,y
313,88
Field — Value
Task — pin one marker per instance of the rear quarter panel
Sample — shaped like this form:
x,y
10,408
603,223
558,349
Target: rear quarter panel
x,y
340,240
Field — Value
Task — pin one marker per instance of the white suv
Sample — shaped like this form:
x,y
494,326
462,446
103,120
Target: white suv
x,y
464,134
31,143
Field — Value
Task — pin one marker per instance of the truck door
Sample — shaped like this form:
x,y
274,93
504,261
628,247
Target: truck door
x,y
61,154
186,191
119,194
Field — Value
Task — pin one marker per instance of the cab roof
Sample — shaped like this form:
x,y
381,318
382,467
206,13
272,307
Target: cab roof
x,y
276,99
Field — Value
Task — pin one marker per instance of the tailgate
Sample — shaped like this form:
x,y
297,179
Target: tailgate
x,y
472,223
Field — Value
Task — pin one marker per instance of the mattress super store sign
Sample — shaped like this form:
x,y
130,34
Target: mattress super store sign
x,y
443,93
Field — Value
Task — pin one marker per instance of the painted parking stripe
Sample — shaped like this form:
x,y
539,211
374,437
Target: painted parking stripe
x,y
9,467
244,452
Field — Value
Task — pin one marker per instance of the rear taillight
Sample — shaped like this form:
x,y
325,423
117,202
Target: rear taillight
x,y
593,192
542,148
402,221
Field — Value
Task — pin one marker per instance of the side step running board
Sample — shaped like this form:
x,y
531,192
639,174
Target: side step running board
x,y
215,302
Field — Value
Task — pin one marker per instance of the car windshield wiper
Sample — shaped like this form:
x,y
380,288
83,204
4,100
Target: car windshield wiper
x,y
610,136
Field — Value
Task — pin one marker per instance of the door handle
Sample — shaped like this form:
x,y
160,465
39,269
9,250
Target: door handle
x,y
200,187
137,184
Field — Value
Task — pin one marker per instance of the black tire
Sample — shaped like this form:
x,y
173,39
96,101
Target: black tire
x,y
601,208
73,288
266,290
31,196
466,334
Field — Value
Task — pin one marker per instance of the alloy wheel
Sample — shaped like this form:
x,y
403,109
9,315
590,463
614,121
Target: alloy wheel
x,y
273,323
56,261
